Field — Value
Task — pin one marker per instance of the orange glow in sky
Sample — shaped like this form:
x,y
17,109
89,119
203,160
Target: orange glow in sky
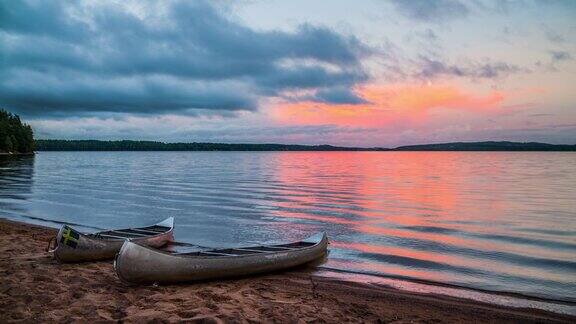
x,y
387,104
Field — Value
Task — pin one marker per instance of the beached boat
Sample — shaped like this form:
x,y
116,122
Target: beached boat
x,y
70,245
140,264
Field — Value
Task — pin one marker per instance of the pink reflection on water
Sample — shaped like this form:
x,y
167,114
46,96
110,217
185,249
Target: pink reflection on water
x,y
437,197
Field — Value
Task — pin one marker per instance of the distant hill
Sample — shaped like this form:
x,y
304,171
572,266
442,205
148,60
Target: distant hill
x,y
15,136
488,146
93,145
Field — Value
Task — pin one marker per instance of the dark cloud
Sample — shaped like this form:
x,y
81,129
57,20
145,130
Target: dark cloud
x,y
338,96
554,36
441,11
558,56
432,10
60,57
431,68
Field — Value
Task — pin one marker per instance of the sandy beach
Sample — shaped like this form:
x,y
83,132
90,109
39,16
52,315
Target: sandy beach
x,y
34,287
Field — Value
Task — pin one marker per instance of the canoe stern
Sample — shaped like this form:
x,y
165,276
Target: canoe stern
x,y
73,246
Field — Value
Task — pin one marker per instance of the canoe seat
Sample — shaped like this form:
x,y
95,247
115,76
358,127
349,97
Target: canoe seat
x,y
155,228
203,253
130,232
122,234
143,231
234,251
267,248
253,250
102,235
118,235
296,245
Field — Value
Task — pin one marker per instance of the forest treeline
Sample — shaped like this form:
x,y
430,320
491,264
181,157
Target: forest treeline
x,y
95,145
15,136
488,146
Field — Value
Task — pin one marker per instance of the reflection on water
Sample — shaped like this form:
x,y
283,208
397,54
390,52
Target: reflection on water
x,y
16,174
490,220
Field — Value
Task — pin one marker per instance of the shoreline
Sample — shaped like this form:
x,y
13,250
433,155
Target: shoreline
x,y
35,287
131,145
16,154
465,292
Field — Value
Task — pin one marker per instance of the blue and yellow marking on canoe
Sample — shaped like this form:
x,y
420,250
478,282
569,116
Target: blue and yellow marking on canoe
x,y
70,237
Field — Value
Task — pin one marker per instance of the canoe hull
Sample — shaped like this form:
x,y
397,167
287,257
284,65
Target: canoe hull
x,y
81,248
138,264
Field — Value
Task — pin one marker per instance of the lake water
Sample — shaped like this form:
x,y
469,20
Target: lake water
x,y
500,221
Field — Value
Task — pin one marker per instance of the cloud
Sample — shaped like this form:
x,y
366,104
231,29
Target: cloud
x,y
429,68
558,56
159,57
434,11
553,36
555,59
441,11
337,95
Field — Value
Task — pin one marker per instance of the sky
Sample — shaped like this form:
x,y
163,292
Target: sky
x,y
355,73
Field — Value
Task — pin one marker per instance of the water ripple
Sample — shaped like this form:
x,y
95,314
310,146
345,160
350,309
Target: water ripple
x,y
485,220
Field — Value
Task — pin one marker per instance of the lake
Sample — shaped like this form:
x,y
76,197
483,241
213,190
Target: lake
x,y
499,221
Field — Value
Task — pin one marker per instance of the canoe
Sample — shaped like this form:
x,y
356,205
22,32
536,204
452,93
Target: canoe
x,y
72,246
136,263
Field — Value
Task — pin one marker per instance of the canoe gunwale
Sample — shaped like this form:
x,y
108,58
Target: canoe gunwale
x,y
181,255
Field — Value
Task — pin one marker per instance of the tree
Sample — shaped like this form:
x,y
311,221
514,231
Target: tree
x,y
8,146
15,137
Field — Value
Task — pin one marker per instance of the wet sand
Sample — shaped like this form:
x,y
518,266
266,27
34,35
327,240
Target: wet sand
x,y
35,288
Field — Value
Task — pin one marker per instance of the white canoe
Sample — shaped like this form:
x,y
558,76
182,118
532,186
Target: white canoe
x,y
74,246
136,263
